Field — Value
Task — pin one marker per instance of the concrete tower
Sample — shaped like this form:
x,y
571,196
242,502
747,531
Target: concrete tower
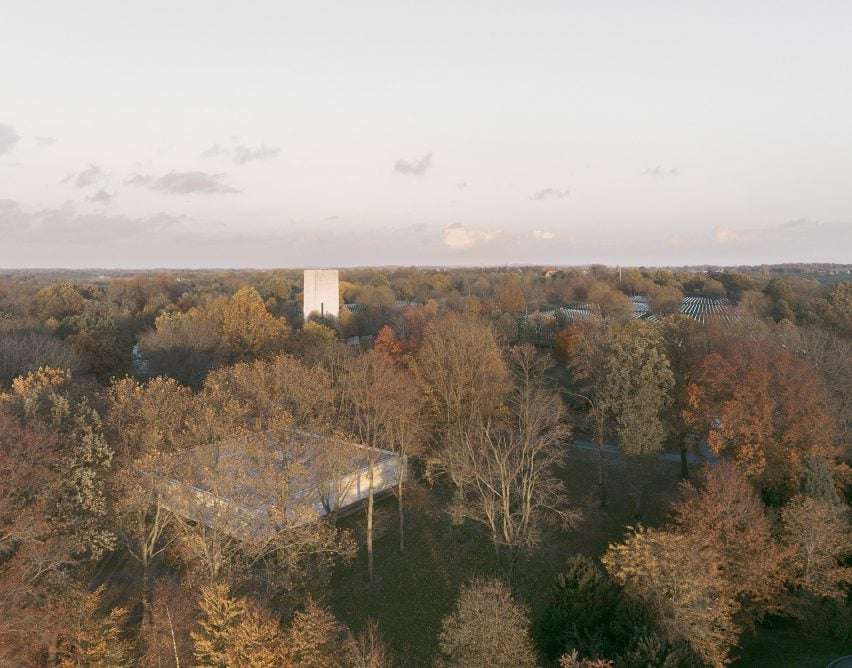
x,y
322,293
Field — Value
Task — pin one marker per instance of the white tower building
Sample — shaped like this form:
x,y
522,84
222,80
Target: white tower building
x,y
322,293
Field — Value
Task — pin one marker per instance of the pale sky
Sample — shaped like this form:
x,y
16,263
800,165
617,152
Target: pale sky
x,y
275,133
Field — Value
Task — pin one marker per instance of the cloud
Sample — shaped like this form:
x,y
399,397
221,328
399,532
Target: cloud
x,y
458,237
542,234
46,141
659,172
241,154
139,180
725,235
550,193
101,197
416,167
215,151
92,174
799,224
788,230
244,154
67,225
8,138
183,183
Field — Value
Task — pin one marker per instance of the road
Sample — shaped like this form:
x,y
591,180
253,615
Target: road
x,y
611,450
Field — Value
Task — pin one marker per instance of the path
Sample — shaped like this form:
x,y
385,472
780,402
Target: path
x,y
611,450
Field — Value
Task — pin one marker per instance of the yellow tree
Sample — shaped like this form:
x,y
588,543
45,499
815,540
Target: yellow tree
x,y
315,639
248,328
486,629
680,582
635,391
235,632
92,639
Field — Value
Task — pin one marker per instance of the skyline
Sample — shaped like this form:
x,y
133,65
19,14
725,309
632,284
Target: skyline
x,y
197,136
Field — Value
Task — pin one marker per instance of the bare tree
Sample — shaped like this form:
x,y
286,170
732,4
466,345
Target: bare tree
x,y
367,650
266,388
147,425
820,540
506,468
378,403
461,372
23,351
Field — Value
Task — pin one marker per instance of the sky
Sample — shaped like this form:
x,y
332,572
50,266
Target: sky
x,y
290,134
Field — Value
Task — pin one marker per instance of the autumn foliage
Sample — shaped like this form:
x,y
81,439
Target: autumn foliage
x,y
763,407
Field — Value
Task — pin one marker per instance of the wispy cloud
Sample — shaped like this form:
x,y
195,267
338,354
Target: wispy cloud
x,y
139,180
415,167
790,229
660,172
8,138
101,197
799,224
241,154
45,141
543,235
244,154
215,151
66,224
184,183
89,176
550,194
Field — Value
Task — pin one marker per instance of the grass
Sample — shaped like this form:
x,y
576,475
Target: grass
x,y
787,645
414,590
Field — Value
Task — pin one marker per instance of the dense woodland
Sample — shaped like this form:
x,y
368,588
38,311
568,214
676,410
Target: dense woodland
x,y
631,493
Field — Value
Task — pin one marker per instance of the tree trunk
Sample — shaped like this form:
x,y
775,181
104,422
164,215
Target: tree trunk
x,y
601,471
684,464
174,641
638,501
370,524
52,648
146,596
401,518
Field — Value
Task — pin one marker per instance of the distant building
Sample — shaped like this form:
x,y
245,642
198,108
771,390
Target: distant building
x,y
321,293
